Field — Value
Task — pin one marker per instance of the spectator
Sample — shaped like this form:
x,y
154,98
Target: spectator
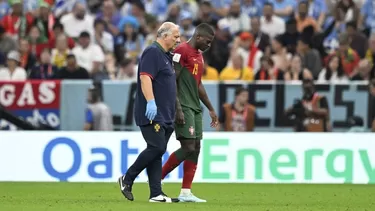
x,y
127,70
237,71
348,9
206,14
244,45
28,60
311,59
302,18
188,6
271,24
72,70
110,65
103,38
77,21
319,38
268,71
98,114
58,29
220,8
252,8
151,37
348,56
138,11
297,72
284,8
157,8
60,53
367,17
87,51
130,40
291,35
173,14
238,116
358,40
281,57
13,72
363,72
37,41
45,70
370,54
186,25
4,8
261,40
45,21
237,21
331,42
318,11
110,16
7,44
98,72
210,73
17,23
333,72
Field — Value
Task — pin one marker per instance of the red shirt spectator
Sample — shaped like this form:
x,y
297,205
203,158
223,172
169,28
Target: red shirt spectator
x,y
16,23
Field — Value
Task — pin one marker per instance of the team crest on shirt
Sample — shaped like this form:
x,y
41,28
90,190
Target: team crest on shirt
x,y
191,130
157,127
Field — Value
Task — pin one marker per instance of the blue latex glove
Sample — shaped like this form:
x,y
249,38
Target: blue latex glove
x,y
151,110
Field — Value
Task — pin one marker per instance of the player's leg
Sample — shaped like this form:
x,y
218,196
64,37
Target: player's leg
x,y
154,170
186,137
190,164
152,151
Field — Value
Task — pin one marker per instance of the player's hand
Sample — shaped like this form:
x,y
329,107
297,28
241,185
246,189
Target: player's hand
x,y
180,117
151,110
214,119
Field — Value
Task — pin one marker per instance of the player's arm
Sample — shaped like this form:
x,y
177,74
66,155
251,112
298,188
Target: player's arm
x,y
149,69
204,98
322,111
177,60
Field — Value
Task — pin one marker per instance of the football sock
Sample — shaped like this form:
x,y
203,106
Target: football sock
x,y
190,166
173,161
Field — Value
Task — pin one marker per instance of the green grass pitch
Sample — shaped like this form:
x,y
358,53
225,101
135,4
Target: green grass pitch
x,y
220,197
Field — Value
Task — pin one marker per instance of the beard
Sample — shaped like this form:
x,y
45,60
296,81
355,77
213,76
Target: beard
x,y
235,14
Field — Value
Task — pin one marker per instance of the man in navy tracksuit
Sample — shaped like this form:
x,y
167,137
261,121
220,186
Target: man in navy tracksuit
x,y
154,111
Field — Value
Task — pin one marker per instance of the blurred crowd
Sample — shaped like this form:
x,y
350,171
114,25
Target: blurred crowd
x,y
325,40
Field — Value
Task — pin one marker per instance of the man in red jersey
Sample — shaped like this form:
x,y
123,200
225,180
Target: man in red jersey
x,y
189,64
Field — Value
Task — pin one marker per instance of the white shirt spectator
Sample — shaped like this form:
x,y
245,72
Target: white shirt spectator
x,y
242,23
19,74
86,56
274,27
106,40
334,77
73,26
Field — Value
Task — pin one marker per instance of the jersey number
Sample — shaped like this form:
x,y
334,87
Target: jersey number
x,y
195,70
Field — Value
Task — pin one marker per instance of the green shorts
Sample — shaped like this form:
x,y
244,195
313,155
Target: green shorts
x,y
193,128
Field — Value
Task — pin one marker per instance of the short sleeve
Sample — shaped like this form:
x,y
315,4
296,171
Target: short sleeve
x,y
89,117
149,63
179,55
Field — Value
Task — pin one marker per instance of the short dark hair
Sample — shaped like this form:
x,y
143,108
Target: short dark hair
x,y
58,25
84,34
206,3
99,21
303,2
239,90
71,56
267,4
204,29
